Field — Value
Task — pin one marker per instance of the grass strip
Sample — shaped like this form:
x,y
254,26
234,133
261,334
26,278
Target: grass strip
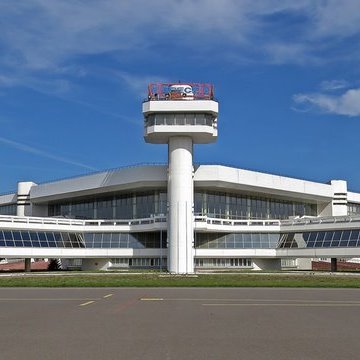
x,y
154,280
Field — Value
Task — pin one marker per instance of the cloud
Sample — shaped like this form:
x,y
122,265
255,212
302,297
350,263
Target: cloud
x,y
336,18
35,151
347,104
43,35
138,83
6,81
283,53
48,45
333,85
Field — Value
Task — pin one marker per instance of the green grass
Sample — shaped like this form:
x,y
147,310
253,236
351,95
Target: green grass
x,y
157,280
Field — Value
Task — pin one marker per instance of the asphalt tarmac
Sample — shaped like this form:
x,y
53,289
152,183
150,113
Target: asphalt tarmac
x,y
179,323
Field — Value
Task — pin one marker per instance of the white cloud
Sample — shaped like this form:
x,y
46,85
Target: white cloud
x,y
138,84
347,104
35,151
336,18
42,37
332,85
42,33
281,53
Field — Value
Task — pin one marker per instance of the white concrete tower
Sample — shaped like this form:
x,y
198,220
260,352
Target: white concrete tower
x,y
180,115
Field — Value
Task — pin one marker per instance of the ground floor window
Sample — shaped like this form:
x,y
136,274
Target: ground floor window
x,y
138,263
288,263
223,263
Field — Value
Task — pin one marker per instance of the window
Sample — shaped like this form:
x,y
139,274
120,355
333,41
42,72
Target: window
x,y
236,240
8,209
353,209
222,263
239,206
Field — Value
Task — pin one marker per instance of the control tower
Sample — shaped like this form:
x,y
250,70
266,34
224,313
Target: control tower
x,y
180,115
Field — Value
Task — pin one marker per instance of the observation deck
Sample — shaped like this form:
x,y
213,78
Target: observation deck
x,y
180,110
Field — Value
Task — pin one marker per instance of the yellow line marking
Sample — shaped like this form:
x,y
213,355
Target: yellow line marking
x,y
294,305
87,303
151,299
107,296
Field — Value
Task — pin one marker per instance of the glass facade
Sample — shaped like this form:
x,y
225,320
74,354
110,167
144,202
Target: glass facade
x,y
128,206
156,239
212,204
11,238
179,119
323,239
236,241
235,206
9,209
353,209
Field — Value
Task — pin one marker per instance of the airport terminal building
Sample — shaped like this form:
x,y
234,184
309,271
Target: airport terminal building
x,y
180,216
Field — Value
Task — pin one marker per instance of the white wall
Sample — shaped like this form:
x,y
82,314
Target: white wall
x,y
304,264
23,198
339,202
95,264
266,264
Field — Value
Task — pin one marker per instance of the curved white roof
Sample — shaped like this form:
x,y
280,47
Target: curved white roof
x,y
216,177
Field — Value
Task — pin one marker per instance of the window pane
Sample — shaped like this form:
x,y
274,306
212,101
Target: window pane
x,y
353,237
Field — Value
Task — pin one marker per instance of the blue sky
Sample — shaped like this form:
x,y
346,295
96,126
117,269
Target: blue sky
x,y
73,75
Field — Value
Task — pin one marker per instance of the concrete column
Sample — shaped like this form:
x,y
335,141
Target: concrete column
x,y
339,202
27,265
23,198
180,198
333,264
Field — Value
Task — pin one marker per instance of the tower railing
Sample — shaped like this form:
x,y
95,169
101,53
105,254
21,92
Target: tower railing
x,y
164,91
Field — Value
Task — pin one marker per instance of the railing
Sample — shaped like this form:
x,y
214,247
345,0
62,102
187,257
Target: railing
x,y
230,222
320,220
130,222
162,219
78,222
162,91
9,192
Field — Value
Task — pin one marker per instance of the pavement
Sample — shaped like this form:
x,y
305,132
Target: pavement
x,y
179,323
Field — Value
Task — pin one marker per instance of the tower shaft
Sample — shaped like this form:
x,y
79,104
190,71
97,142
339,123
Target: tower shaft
x,y
180,199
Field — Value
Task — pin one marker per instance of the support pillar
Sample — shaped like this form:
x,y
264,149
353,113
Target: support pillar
x,y
339,202
180,198
27,265
23,198
333,264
